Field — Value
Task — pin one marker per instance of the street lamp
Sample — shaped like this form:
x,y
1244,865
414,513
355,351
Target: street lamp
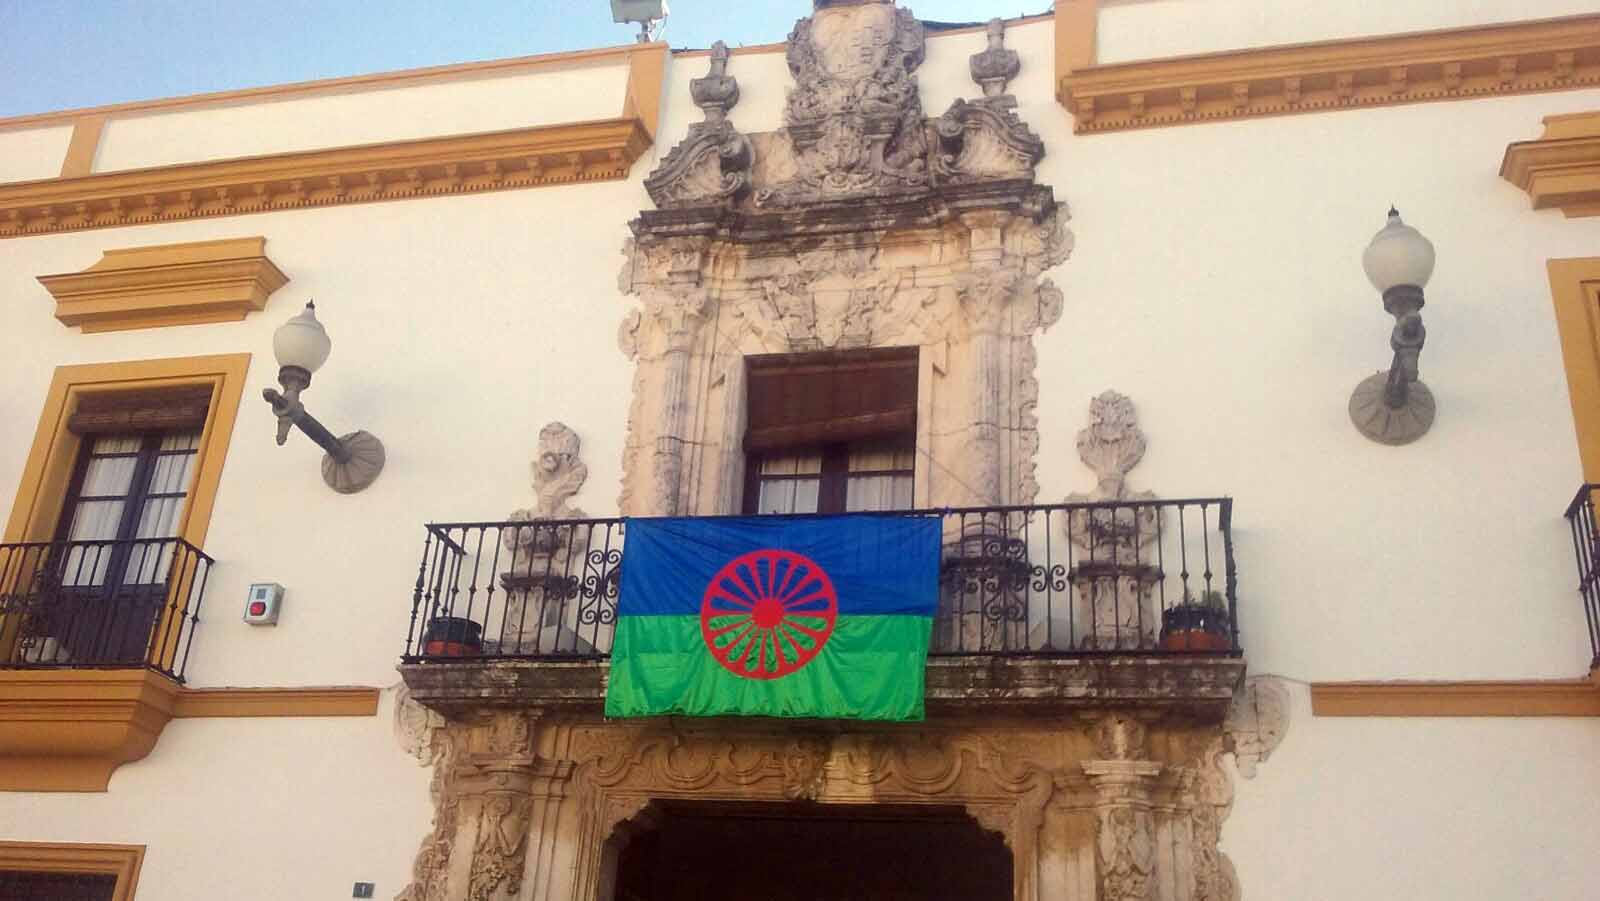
x,y
301,345
645,12
1395,407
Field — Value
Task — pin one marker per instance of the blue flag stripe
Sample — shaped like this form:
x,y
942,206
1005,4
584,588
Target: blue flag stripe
x,y
880,565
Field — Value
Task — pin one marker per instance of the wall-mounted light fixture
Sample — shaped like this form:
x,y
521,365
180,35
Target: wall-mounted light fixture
x,y
301,345
649,14
1395,407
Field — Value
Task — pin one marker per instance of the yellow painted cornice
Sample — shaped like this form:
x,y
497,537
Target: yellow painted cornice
x,y
170,284
1561,170
69,730
1558,697
600,150
246,702
1454,64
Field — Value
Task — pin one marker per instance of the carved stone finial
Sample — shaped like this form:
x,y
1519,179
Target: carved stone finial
x,y
558,474
1112,444
995,66
717,91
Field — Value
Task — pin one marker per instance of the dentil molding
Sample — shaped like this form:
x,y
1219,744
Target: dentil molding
x,y
1454,64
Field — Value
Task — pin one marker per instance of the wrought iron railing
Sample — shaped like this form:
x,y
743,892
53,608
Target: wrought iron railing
x,y
1586,544
1116,577
75,604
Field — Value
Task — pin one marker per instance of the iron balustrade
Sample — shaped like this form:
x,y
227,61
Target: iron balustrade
x,y
1114,577
1586,544
76,604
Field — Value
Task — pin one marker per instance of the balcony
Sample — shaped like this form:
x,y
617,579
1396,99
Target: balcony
x,y
1586,545
1045,605
100,604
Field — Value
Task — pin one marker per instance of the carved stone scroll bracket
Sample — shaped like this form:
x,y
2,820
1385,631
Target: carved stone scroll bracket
x,y
1257,722
712,165
1112,444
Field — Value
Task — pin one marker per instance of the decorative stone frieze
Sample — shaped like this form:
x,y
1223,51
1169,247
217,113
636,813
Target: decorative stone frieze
x,y
712,164
540,807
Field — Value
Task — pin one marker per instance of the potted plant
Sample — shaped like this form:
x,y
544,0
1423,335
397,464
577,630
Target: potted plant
x,y
452,636
1201,625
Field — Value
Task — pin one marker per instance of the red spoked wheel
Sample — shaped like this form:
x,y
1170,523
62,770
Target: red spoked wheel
x,y
768,613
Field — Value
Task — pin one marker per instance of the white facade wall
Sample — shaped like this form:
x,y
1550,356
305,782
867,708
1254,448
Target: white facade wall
x,y
30,153
1216,280
593,91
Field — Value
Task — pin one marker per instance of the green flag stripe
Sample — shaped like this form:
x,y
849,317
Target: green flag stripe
x,y
871,668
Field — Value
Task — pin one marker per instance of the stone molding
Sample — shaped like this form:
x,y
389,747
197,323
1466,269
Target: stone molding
x,y
69,730
601,150
1561,169
1454,64
1556,697
537,806
171,284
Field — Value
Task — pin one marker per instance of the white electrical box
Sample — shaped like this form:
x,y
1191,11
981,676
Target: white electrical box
x,y
261,605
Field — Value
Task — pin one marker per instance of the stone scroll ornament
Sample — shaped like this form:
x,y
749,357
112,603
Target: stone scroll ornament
x,y
1114,575
712,164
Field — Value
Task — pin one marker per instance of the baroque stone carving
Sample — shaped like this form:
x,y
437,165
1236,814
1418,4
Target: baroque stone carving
x,y
547,557
854,119
712,165
1123,806
1114,577
984,139
857,227
1256,722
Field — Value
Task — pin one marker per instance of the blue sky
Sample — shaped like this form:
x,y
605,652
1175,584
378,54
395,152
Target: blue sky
x,y
63,54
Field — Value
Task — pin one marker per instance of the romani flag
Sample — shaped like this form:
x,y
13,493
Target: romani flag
x,y
825,616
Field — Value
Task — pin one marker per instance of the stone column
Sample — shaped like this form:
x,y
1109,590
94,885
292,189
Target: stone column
x,y
1125,835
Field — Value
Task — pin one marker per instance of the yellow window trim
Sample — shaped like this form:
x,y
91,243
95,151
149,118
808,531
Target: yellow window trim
x,y
168,284
1575,288
49,464
122,861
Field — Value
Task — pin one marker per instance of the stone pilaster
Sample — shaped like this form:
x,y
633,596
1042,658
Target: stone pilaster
x,y
1125,830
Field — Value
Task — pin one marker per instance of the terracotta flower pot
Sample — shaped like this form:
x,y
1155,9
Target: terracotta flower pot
x,y
1192,627
452,636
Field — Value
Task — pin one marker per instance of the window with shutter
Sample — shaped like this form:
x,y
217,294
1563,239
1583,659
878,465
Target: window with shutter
x,y
831,432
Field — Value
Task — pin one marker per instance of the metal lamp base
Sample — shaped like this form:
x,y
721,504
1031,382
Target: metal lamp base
x,y
362,469
1374,418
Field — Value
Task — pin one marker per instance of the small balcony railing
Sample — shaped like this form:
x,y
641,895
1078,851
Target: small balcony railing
x,y
1119,577
78,604
1586,544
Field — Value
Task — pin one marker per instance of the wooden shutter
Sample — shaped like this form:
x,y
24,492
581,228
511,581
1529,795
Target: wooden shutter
x,y
132,411
798,400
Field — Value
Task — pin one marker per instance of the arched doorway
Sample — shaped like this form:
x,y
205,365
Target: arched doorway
x,y
715,851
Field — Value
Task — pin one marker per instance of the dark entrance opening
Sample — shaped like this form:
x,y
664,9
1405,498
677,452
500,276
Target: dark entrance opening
x,y
811,852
